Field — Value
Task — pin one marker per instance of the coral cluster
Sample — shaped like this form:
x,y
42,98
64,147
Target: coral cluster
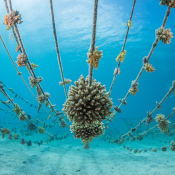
x,y
66,81
121,56
63,124
41,130
31,127
133,90
164,34
172,147
87,106
22,116
148,67
94,57
170,3
5,131
139,137
42,97
21,60
16,136
34,81
129,24
12,19
162,123
17,109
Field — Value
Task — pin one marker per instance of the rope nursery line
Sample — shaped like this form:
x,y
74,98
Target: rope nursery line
x,y
57,49
117,70
145,132
36,120
146,66
21,113
149,117
19,73
92,47
16,95
23,60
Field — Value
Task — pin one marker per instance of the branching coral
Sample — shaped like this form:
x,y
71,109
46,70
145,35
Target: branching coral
x,y
66,81
12,19
129,24
93,58
49,117
33,66
34,81
22,116
170,3
15,136
31,127
21,60
5,131
162,123
164,34
17,48
133,90
17,109
121,56
139,137
117,71
148,67
172,147
86,104
87,133
63,124
41,98
41,130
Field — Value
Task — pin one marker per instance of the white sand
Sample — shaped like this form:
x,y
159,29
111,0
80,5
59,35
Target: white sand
x,y
67,157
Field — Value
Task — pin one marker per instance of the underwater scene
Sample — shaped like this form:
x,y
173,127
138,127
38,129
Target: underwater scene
x,y
87,87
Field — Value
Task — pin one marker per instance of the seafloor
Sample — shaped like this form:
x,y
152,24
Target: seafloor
x,y
67,157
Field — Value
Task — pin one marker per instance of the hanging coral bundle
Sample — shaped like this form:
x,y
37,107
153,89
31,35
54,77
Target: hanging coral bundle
x,y
34,81
121,56
162,123
170,3
21,60
12,19
148,67
164,34
94,57
87,106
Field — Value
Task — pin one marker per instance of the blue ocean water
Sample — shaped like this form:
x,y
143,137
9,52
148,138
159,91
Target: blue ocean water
x,y
73,20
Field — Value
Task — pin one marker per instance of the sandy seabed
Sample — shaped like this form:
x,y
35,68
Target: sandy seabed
x,y
67,157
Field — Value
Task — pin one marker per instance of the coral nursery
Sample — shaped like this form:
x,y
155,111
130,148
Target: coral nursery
x,y
120,90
